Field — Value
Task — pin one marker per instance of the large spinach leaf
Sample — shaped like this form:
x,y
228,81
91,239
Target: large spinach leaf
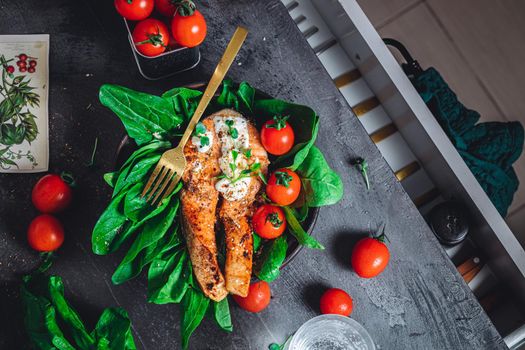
x,y
169,277
240,99
272,257
194,306
298,232
146,117
321,185
152,232
109,225
113,331
221,312
184,101
52,323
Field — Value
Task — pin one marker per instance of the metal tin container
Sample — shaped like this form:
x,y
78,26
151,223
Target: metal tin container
x,y
167,63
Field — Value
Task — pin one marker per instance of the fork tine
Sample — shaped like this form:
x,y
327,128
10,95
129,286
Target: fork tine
x,y
160,181
152,178
170,189
167,180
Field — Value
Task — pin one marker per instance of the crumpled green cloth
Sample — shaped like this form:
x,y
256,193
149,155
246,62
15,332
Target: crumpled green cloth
x,y
489,149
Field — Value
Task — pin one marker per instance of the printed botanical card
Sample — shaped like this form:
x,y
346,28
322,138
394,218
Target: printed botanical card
x,y
24,89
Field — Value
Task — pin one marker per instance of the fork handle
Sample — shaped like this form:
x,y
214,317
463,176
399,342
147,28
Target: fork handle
x,y
216,79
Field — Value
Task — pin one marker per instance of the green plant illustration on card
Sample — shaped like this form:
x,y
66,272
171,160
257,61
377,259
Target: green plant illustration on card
x,y
17,121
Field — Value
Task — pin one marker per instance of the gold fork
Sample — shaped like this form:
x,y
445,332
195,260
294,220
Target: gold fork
x,y
171,165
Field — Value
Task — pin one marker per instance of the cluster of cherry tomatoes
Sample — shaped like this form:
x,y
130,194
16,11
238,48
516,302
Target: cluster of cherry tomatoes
x,y
23,64
370,255
369,258
51,195
151,36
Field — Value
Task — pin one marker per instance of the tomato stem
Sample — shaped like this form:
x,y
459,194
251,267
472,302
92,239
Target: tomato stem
x,y
184,7
68,178
154,39
279,122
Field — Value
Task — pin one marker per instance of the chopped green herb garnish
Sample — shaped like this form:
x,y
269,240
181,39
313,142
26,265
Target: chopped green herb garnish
x,y
200,129
231,130
362,165
235,154
205,141
248,153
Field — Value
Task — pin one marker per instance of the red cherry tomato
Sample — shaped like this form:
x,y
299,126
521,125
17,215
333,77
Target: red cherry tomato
x,y
151,37
370,257
166,7
188,31
134,10
258,297
283,186
51,194
45,233
277,135
336,301
269,221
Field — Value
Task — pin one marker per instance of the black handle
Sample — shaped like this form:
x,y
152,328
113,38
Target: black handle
x,y
411,67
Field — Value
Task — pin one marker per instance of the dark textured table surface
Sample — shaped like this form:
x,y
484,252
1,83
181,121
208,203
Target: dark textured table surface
x,y
419,302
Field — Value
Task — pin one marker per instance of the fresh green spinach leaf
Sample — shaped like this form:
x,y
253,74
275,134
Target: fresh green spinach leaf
x,y
111,178
298,232
113,330
193,306
257,241
146,117
153,231
272,257
321,185
168,277
109,225
221,312
240,99
183,101
68,315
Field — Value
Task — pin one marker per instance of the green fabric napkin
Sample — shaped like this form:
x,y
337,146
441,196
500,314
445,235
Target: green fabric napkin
x,y
489,149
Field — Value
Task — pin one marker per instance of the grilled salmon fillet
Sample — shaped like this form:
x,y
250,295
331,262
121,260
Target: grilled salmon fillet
x,y
199,204
235,216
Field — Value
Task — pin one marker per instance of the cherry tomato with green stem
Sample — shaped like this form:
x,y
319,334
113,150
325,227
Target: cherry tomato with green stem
x,y
336,301
151,37
134,10
268,221
277,136
370,256
258,298
283,187
52,194
188,25
45,233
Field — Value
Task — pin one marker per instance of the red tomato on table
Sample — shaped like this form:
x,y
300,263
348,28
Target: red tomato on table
x,y
284,186
51,194
258,297
336,301
151,37
45,233
269,221
277,135
370,257
134,10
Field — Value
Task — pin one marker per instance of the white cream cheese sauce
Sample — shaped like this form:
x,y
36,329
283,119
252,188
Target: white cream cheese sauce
x,y
238,189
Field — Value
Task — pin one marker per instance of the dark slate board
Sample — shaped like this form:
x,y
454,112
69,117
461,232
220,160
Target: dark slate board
x,y
419,302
